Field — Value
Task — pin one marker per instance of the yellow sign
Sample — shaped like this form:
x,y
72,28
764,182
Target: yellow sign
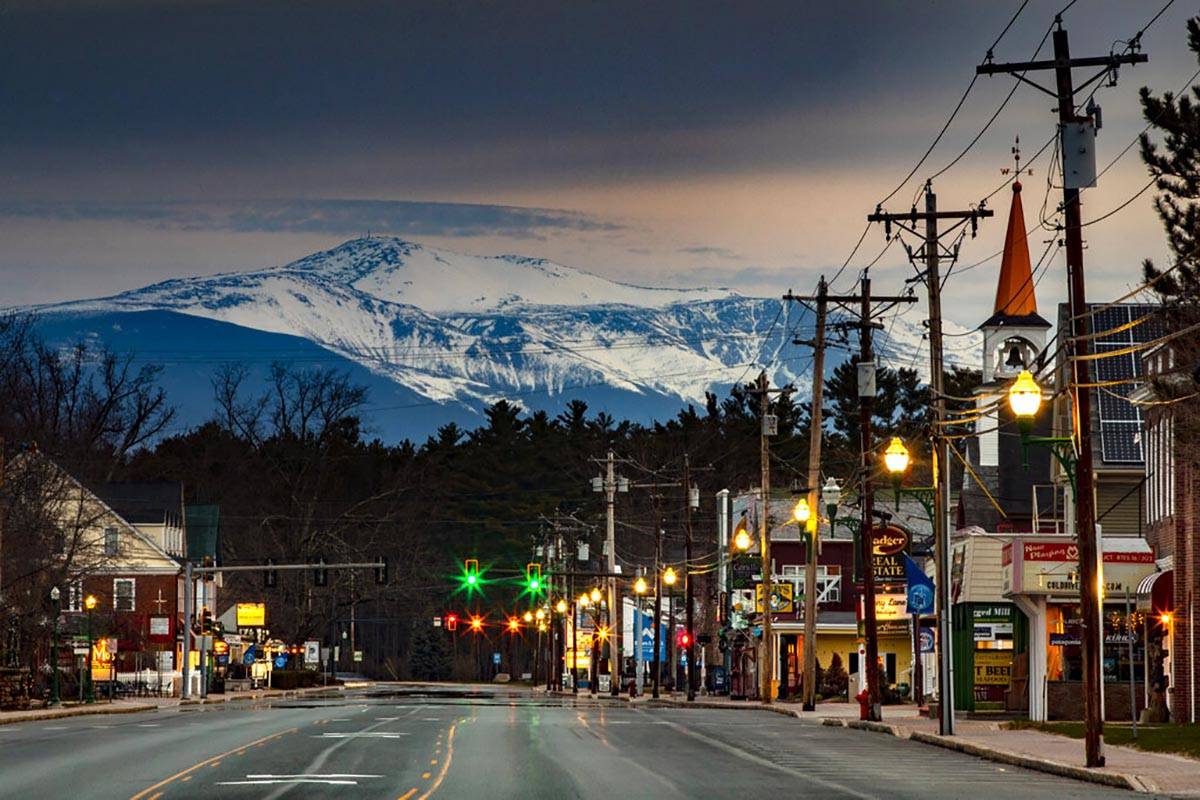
x,y
993,667
251,615
584,658
104,656
782,598
891,606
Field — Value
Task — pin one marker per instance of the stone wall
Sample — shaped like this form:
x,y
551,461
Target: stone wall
x,y
1064,700
14,689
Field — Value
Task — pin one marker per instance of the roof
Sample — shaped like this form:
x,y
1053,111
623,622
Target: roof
x,y
144,501
1014,290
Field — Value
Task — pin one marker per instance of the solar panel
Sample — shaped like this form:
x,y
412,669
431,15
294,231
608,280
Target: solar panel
x,y
1121,420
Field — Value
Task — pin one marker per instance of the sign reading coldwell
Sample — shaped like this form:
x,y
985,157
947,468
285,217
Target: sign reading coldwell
x,y
1051,567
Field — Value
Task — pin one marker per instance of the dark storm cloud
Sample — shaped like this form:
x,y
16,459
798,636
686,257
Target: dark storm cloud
x,y
324,216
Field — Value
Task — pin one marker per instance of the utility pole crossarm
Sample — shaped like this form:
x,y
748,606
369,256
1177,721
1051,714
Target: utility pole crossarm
x,y
1111,60
909,216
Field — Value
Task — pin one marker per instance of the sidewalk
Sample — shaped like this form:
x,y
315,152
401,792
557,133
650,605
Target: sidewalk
x,y
149,704
1125,767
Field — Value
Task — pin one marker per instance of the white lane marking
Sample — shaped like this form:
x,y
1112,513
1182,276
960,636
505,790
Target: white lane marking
x,y
386,719
55,728
318,775
361,735
431,719
147,724
287,780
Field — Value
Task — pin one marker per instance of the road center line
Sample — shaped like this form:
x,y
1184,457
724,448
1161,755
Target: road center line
x,y
215,759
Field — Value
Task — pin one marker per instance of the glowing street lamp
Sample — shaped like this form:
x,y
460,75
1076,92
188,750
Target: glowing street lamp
x,y
528,616
596,595
1024,399
89,603
895,458
584,600
540,614
561,606
741,540
55,595
801,512
639,586
669,577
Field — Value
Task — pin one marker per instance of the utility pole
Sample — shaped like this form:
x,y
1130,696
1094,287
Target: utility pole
x,y
767,662
814,503
931,252
688,585
658,584
610,484
866,406
1090,577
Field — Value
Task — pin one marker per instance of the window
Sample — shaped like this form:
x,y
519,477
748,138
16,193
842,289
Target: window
x,y
111,542
829,581
123,594
75,596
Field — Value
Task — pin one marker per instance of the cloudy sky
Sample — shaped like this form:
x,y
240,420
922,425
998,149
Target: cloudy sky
x,y
737,143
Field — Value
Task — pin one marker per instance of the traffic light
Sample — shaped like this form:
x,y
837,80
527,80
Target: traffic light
x,y
381,572
476,624
320,574
206,622
685,638
514,624
471,579
452,622
533,579
270,576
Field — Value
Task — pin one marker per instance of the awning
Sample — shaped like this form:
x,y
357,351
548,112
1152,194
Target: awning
x,y
1156,591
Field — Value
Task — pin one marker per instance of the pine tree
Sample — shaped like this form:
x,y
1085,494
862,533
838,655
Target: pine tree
x,y
430,657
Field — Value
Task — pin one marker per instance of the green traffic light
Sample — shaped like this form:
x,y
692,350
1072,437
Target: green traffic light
x,y
535,584
472,579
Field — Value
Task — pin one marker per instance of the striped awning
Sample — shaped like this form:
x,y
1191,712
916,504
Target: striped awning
x,y
1147,583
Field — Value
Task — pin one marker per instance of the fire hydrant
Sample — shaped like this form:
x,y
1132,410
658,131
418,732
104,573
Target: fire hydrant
x,y
864,704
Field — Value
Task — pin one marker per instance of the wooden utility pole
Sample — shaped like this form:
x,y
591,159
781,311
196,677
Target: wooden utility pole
x,y
767,661
658,584
1090,577
688,583
814,480
866,407
931,252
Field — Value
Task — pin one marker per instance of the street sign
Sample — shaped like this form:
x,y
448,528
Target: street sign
x,y
312,653
280,661
496,659
358,655
926,640
248,657
251,615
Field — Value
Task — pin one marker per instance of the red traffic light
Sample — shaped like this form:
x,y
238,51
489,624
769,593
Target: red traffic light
x,y
685,638
452,622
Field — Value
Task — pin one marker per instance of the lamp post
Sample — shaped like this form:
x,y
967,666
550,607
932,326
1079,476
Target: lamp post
x,y
55,596
89,603
639,591
1024,399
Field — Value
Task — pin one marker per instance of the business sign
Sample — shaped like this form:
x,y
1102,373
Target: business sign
x,y
745,569
281,661
891,606
782,597
993,667
645,625
104,658
926,640
312,654
1073,640
160,629
1052,567
251,615
889,540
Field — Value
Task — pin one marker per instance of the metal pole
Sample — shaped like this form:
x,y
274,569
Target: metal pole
x,y
723,524
54,690
186,667
574,639
90,691
1132,684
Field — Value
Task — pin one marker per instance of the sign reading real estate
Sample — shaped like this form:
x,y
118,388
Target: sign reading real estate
x,y
251,615
889,543
1052,567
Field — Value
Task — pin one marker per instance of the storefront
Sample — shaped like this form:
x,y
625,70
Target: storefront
x,y
1041,576
989,643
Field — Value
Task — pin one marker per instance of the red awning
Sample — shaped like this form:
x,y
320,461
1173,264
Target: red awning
x,y
1159,589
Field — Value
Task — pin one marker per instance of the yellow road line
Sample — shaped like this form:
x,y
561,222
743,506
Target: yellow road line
x,y
425,775
206,762
445,766
407,794
156,796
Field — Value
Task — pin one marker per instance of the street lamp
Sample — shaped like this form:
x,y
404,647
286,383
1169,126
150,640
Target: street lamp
x,y
639,586
831,498
741,540
596,595
584,600
896,458
89,603
669,577
55,595
561,606
801,512
528,616
540,614
1025,398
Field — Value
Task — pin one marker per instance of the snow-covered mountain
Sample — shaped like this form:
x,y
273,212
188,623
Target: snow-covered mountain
x,y
438,335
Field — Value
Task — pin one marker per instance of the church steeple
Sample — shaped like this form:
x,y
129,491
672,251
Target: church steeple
x,y
1014,292
1015,332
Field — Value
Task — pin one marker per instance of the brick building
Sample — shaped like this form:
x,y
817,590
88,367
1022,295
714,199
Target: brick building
x,y
1172,511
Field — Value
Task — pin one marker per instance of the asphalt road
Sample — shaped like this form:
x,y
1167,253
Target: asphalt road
x,y
412,743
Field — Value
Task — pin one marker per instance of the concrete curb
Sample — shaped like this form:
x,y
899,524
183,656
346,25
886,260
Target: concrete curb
x,y
1114,779
876,727
262,695
81,711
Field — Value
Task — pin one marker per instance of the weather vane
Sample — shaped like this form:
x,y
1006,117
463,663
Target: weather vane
x,y
1016,151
